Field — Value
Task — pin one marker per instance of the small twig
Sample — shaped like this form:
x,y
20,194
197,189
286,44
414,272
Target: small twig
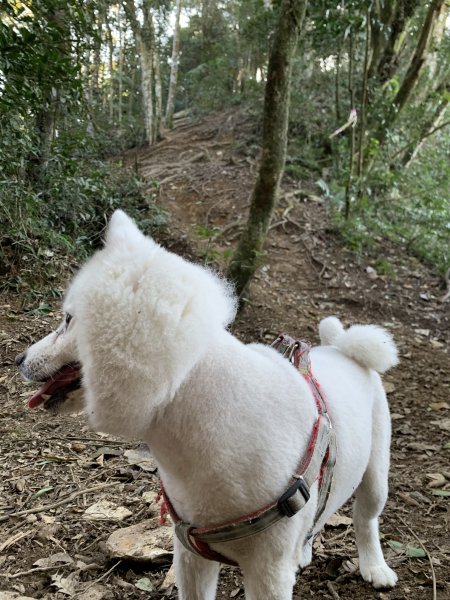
x,y
14,538
433,574
332,591
103,442
72,496
33,570
102,577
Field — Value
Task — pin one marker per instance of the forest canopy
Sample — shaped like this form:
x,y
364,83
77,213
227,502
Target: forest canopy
x,y
83,82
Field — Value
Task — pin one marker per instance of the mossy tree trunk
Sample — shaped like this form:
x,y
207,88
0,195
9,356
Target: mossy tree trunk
x,y
275,124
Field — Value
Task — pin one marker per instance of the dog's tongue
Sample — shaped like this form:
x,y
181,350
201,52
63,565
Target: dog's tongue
x,y
60,379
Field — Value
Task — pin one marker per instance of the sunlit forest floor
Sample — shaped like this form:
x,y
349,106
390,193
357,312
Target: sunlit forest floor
x,y
206,171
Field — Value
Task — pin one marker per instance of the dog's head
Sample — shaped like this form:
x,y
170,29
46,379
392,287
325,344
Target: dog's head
x,y
54,362
137,320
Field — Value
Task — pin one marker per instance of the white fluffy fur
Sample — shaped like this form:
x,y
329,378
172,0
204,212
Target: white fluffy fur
x,y
329,329
227,422
369,345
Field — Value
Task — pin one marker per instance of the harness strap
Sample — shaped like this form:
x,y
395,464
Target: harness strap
x,y
317,464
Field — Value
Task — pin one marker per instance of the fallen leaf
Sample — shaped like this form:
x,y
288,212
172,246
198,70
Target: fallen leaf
x,y
413,552
65,585
104,510
437,480
338,520
169,582
444,493
422,446
422,332
439,405
437,344
443,424
389,387
410,551
60,558
408,500
145,584
106,451
43,491
141,458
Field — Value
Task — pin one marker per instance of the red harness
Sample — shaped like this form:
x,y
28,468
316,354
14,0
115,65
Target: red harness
x,y
316,464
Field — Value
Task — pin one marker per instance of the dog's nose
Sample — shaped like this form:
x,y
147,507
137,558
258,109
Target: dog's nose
x,y
20,358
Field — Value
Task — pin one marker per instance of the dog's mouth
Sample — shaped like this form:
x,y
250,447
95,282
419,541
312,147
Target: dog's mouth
x,y
55,390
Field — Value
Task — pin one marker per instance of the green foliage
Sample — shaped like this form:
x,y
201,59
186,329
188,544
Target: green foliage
x,y
410,207
222,52
67,218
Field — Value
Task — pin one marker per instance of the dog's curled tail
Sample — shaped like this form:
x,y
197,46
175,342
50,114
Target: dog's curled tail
x,y
368,345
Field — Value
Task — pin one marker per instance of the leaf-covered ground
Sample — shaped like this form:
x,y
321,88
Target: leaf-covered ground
x,y
54,470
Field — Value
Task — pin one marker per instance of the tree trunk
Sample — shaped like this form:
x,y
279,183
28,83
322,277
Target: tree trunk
x,y
120,72
387,63
381,17
144,42
419,56
158,95
174,68
275,126
46,117
111,69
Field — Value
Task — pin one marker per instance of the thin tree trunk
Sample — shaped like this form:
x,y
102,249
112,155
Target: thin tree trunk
x,y
337,86
46,117
120,71
420,55
351,157
362,126
174,68
275,126
144,42
96,60
387,63
158,95
111,69
381,17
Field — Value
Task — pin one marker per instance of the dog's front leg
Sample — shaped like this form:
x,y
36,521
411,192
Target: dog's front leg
x,y
196,577
273,580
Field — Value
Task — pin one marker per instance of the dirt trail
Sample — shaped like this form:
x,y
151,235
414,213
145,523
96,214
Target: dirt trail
x,y
205,172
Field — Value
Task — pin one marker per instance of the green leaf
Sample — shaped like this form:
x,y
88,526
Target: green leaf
x,y
44,490
415,552
395,545
410,551
444,493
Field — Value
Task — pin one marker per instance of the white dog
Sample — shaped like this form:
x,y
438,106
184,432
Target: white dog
x,y
227,423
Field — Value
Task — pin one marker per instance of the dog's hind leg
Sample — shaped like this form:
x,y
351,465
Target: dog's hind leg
x,y
196,577
371,497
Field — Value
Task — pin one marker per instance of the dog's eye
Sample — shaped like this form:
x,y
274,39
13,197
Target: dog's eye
x,y
68,319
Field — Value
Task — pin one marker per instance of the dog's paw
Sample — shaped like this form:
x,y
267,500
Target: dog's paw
x,y
380,576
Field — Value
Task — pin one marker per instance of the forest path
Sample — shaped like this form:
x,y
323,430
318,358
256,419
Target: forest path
x,y
206,172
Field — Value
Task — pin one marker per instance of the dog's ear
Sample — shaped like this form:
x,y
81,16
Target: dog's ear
x,y
123,232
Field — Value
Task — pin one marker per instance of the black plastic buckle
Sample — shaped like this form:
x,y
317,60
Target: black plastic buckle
x,y
285,503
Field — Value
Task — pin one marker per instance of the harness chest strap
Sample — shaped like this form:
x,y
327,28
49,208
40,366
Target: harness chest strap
x,y
317,464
